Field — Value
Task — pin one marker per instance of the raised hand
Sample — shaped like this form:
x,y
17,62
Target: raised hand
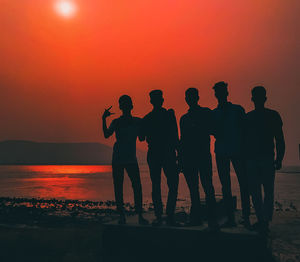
x,y
278,164
107,113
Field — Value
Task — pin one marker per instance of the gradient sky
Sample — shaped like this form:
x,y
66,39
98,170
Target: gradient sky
x,y
57,74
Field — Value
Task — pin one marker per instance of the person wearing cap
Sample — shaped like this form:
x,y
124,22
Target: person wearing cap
x,y
263,133
161,133
195,157
127,129
229,148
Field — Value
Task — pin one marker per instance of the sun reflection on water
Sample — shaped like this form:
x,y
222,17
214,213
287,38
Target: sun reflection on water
x,y
69,169
80,182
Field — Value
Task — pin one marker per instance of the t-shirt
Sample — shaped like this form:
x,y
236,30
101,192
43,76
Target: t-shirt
x,y
195,130
126,131
229,129
261,128
160,130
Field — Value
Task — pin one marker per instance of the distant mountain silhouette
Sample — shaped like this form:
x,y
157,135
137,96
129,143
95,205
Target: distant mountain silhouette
x,y
18,152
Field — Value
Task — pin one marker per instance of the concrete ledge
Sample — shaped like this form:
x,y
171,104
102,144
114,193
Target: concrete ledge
x,y
132,242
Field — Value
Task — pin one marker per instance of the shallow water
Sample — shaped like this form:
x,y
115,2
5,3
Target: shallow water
x,y
95,183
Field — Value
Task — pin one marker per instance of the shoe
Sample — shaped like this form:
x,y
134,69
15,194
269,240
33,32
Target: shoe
x,y
170,221
265,231
266,228
229,224
143,221
157,222
246,223
194,223
261,227
122,220
255,226
213,226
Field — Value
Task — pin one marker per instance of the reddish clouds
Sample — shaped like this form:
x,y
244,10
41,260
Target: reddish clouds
x,y
57,74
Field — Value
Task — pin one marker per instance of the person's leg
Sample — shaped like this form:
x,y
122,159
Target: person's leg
x,y
171,173
154,164
118,179
207,184
254,181
240,170
223,166
268,177
192,180
134,175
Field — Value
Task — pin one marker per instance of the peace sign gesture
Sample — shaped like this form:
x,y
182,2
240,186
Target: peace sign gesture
x,y
107,113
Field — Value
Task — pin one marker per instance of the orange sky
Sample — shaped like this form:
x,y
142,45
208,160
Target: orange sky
x,y
57,74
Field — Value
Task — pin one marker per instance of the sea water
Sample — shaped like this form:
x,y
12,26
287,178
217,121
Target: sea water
x,y
95,183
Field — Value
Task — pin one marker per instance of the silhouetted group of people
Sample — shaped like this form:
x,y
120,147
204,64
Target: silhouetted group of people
x,y
247,141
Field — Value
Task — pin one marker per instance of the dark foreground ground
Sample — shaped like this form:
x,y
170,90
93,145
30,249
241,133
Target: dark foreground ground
x,y
34,230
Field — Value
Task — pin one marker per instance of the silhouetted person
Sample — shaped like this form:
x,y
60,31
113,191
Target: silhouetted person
x,y
161,133
229,133
126,128
263,128
195,157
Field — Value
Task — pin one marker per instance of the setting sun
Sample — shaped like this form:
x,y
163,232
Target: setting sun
x,y
65,8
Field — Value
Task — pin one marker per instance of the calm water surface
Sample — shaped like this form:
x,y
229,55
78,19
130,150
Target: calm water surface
x,y
95,183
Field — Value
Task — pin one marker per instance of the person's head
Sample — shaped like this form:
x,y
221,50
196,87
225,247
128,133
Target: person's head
x,y
125,103
259,96
221,91
192,96
156,98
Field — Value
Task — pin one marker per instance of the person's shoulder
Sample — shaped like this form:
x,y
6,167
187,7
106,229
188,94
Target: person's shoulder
x,y
250,113
216,110
137,119
171,111
206,109
183,117
115,121
147,116
237,107
273,113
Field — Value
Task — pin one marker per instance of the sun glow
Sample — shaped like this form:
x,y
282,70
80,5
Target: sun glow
x,y
66,8
68,169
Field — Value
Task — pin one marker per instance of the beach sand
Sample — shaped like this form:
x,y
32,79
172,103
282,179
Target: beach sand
x,y
285,236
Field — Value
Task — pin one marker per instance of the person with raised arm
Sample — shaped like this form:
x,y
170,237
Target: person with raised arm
x,y
126,128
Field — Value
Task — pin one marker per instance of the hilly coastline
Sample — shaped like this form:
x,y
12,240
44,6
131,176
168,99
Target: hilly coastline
x,y
20,152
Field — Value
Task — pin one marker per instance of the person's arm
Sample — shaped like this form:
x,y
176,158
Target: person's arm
x,y
179,152
242,117
243,120
210,122
181,129
142,130
174,129
213,123
107,131
280,144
